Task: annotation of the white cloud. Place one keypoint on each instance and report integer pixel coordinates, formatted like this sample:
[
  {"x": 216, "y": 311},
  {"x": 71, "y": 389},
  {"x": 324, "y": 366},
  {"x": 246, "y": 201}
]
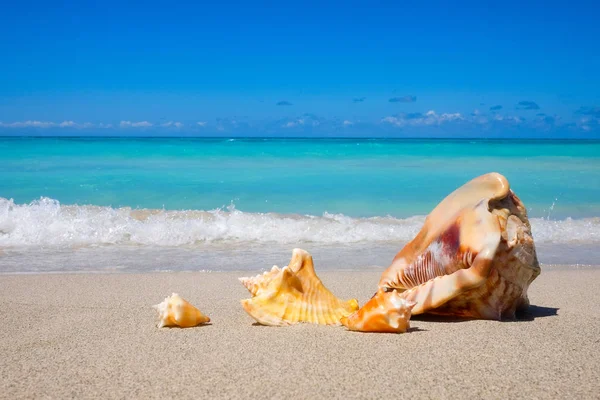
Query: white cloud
[
  {"x": 129, "y": 124},
  {"x": 46, "y": 124},
  {"x": 73, "y": 124},
  {"x": 87, "y": 125},
  {"x": 475, "y": 119},
  {"x": 172, "y": 124},
  {"x": 588, "y": 124},
  {"x": 392, "y": 120},
  {"x": 28, "y": 124},
  {"x": 427, "y": 119},
  {"x": 450, "y": 117},
  {"x": 508, "y": 118},
  {"x": 292, "y": 124}
]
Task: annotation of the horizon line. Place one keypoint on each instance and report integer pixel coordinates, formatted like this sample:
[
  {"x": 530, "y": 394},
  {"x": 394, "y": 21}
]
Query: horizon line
[{"x": 293, "y": 137}]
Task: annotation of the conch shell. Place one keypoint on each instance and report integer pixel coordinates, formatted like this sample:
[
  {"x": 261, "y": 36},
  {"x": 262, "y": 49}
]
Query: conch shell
[
  {"x": 385, "y": 312},
  {"x": 294, "y": 294},
  {"x": 175, "y": 311},
  {"x": 473, "y": 258}
]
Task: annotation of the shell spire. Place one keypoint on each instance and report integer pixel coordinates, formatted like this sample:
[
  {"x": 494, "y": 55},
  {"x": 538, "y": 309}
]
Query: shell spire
[
  {"x": 385, "y": 312},
  {"x": 294, "y": 294},
  {"x": 175, "y": 311},
  {"x": 258, "y": 283}
]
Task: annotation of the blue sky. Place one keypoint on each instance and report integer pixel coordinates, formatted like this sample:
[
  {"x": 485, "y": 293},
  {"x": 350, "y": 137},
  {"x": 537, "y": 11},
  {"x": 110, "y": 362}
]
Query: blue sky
[{"x": 497, "y": 69}]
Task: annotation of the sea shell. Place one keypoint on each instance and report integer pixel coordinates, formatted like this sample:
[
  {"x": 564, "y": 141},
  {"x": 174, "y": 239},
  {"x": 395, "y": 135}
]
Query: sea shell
[
  {"x": 257, "y": 284},
  {"x": 385, "y": 312},
  {"x": 294, "y": 294},
  {"x": 473, "y": 258},
  {"x": 175, "y": 311}
]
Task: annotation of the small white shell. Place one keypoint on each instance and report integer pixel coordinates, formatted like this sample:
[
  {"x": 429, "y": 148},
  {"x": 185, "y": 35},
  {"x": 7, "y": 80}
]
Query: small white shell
[{"x": 175, "y": 311}]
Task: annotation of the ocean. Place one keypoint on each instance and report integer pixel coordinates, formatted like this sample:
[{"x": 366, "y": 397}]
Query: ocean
[{"x": 213, "y": 204}]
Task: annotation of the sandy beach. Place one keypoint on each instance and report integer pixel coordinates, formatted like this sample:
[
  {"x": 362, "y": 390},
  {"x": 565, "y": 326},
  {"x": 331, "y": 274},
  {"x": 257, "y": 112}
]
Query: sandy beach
[{"x": 95, "y": 335}]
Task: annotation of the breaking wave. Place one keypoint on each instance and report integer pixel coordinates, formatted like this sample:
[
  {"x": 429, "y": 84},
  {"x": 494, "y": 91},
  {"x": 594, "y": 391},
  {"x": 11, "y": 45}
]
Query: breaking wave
[{"x": 46, "y": 222}]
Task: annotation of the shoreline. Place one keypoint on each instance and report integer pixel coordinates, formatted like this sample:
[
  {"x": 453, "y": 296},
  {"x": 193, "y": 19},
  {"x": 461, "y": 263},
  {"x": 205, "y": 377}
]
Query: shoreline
[
  {"x": 95, "y": 335},
  {"x": 248, "y": 272}
]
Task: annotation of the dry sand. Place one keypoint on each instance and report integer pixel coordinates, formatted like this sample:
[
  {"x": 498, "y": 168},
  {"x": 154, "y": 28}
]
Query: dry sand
[{"x": 94, "y": 336}]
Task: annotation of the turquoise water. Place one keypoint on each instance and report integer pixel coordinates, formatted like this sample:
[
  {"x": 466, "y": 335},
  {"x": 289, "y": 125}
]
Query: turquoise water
[
  {"x": 357, "y": 178},
  {"x": 141, "y": 204}
]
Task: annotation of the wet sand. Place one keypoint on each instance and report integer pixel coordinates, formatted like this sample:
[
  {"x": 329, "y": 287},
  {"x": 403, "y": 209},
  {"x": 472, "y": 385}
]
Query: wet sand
[{"x": 94, "y": 336}]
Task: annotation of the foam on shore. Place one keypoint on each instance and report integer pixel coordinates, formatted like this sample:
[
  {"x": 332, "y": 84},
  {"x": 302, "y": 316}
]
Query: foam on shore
[{"x": 46, "y": 222}]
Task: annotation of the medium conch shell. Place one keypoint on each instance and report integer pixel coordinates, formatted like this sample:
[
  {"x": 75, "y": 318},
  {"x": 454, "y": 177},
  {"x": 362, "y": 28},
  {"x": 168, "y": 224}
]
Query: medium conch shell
[
  {"x": 294, "y": 294},
  {"x": 385, "y": 312},
  {"x": 175, "y": 311},
  {"x": 473, "y": 258},
  {"x": 259, "y": 283}
]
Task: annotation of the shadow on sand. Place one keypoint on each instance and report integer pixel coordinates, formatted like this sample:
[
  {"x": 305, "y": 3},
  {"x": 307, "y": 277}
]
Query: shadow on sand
[
  {"x": 534, "y": 312},
  {"x": 410, "y": 330},
  {"x": 530, "y": 314}
]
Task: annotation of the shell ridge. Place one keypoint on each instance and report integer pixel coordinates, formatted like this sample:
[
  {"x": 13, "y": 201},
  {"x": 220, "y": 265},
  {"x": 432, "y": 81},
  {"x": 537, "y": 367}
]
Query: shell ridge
[{"x": 296, "y": 294}]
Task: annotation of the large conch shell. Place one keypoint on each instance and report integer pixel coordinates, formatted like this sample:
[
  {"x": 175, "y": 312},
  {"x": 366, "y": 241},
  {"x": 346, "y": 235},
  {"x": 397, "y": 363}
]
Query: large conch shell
[
  {"x": 294, "y": 294},
  {"x": 175, "y": 311},
  {"x": 385, "y": 312},
  {"x": 473, "y": 258}
]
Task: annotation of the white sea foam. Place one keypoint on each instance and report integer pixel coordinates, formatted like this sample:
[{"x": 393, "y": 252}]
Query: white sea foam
[{"x": 46, "y": 223}]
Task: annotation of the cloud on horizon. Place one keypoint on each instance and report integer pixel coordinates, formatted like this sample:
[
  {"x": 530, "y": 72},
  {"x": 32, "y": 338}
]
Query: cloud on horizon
[
  {"x": 49, "y": 124},
  {"x": 172, "y": 124},
  {"x": 140, "y": 124},
  {"x": 476, "y": 122},
  {"x": 292, "y": 124},
  {"x": 306, "y": 120},
  {"x": 403, "y": 99},
  {"x": 527, "y": 105},
  {"x": 29, "y": 124},
  {"x": 509, "y": 118},
  {"x": 418, "y": 119},
  {"x": 584, "y": 121}
]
